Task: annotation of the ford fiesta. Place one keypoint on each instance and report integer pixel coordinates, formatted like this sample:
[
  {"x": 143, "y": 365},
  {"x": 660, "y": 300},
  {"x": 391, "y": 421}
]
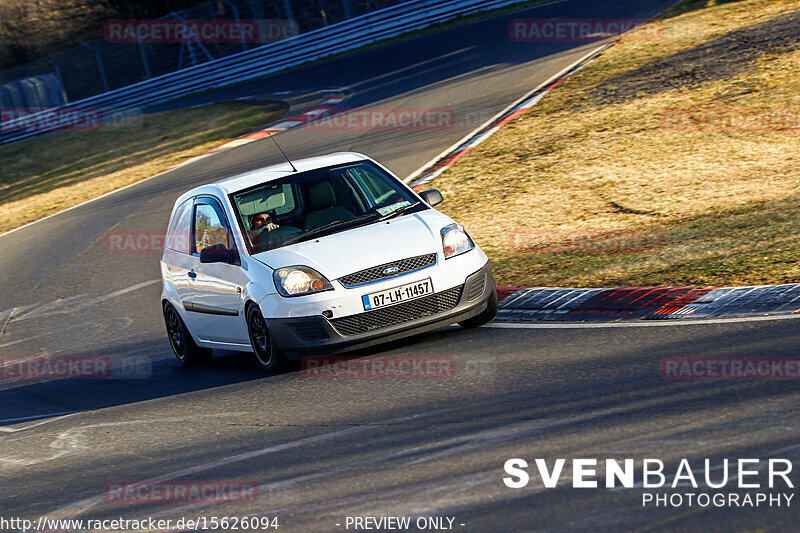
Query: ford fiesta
[{"x": 331, "y": 253}]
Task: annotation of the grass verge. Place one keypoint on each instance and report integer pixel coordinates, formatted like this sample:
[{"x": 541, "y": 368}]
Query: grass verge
[
  {"x": 57, "y": 171},
  {"x": 667, "y": 161}
]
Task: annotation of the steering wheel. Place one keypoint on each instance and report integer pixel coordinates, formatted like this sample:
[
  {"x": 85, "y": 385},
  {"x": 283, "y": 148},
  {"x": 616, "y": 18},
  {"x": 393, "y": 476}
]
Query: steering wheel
[{"x": 266, "y": 238}]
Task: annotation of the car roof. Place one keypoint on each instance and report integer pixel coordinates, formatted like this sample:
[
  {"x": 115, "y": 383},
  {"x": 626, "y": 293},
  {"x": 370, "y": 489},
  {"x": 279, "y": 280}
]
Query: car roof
[{"x": 282, "y": 170}]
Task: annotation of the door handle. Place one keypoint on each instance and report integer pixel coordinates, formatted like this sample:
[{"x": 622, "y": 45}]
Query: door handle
[{"x": 192, "y": 274}]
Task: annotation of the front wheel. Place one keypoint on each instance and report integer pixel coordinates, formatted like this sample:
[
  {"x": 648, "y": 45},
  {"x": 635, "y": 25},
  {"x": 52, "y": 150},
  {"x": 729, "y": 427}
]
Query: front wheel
[
  {"x": 186, "y": 350},
  {"x": 266, "y": 353},
  {"x": 485, "y": 316}
]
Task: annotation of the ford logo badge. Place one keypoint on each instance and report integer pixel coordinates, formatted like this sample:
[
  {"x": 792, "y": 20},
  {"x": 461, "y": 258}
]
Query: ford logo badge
[{"x": 389, "y": 271}]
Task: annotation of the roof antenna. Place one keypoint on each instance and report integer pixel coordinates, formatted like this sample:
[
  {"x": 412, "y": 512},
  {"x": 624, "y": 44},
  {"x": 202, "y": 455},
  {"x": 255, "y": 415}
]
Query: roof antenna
[{"x": 284, "y": 153}]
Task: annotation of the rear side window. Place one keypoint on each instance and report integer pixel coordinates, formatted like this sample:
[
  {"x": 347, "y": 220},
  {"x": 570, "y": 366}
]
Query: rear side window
[
  {"x": 179, "y": 233},
  {"x": 208, "y": 228}
]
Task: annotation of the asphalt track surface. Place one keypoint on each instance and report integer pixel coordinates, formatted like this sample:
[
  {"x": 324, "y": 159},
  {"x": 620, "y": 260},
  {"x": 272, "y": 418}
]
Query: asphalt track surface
[{"x": 321, "y": 450}]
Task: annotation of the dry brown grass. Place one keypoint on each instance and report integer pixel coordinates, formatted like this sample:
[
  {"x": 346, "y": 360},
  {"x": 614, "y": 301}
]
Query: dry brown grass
[
  {"x": 51, "y": 173},
  {"x": 599, "y": 154}
]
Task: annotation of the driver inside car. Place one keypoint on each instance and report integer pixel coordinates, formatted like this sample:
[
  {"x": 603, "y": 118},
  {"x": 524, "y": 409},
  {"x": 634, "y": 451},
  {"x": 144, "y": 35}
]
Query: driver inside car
[
  {"x": 262, "y": 221},
  {"x": 260, "y": 225}
]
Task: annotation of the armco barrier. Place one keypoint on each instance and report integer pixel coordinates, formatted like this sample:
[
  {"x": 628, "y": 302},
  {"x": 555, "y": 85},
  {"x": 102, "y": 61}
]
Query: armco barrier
[{"x": 336, "y": 38}]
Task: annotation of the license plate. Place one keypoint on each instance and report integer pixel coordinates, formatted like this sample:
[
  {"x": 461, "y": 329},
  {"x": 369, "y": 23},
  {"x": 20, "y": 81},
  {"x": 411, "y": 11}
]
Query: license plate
[{"x": 396, "y": 295}]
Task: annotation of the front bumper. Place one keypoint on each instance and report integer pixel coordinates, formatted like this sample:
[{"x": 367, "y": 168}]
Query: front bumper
[{"x": 309, "y": 335}]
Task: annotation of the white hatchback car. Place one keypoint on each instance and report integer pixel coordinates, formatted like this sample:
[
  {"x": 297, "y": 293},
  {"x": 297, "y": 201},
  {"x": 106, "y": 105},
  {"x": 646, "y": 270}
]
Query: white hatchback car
[{"x": 339, "y": 254}]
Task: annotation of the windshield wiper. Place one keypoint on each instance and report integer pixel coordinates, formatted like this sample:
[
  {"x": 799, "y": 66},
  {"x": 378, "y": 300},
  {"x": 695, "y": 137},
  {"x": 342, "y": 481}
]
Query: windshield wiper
[
  {"x": 398, "y": 212},
  {"x": 329, "y": 226}
]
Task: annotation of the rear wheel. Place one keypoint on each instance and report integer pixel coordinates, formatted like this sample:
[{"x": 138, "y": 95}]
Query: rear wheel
[
  {"x": 486, "y": 315},
  {"x": 266, "y": 353},
  {"x": 186, "y": 350}
]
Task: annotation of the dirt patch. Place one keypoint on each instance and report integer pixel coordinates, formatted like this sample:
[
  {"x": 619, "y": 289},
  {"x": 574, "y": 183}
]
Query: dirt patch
[{"x": 725, "y": 57}]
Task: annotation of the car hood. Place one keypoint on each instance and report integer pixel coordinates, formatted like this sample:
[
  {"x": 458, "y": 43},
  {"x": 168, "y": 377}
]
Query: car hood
[{"x": 364, "y": 247}]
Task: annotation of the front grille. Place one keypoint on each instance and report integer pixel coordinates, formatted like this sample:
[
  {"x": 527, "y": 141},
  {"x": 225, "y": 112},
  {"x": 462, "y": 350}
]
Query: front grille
[
  {"x": 309, "y": 331},
  {"x": 399, "y": 313},
  {"x": 376, "y": 273},
  {"x": 476, "y": 287}
]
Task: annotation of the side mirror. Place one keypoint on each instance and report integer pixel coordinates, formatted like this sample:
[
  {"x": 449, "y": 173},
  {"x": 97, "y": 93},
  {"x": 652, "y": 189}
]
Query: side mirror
[
  {"x": 432, "y": 197},
  {"x": 217, "y": 253}
]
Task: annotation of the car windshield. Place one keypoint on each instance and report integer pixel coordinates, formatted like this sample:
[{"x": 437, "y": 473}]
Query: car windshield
[{"x": 319, "y": 202}]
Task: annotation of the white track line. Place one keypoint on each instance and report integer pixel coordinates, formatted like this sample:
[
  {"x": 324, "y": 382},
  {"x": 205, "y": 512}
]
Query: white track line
[
  {"x": 81, "y": 506},
  {"x": 55, "y": 416},
  {"x": 51, "y": 308},
  {"x": 454, "y": 445}
]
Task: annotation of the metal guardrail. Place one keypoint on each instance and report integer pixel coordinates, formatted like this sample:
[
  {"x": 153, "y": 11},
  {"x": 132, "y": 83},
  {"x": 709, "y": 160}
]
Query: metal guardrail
[
  {"x": 135, "y": 50},
  {"x": 257, "y": 62}
]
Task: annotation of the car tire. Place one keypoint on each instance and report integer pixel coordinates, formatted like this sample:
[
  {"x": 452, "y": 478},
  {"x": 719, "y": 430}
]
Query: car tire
[
  {"x": 183, "y": 345},
  {"x": 266, "y": 354},
  {"x": 485, "y": 316}
]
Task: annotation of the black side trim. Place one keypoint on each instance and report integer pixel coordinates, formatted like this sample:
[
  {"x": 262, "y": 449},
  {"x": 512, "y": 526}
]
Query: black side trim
[{"x": 209, "y": 310}]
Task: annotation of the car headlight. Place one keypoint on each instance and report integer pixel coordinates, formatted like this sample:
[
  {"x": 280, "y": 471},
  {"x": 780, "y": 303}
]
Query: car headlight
[
  {"x": 455, "y": 241},
  {"x": 300, "y": 280}
]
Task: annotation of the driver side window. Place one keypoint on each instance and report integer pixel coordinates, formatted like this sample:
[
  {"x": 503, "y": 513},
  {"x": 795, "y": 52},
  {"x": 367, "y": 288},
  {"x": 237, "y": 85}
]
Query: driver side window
[{"x": 208, "y": 228}]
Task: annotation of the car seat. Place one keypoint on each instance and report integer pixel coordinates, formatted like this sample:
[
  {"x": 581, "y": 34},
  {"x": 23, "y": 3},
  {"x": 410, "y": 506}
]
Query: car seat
[{"x": 322, "y": 202}]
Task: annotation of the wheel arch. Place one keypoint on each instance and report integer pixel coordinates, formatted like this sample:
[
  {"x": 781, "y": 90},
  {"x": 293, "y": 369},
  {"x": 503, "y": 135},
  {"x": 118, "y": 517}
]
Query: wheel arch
[
  {"x": 250, "y": 302},
  {"x": 169, "y": 294}
]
